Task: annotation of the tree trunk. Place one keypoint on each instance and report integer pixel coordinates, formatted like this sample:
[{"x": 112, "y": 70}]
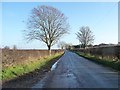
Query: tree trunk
[{"x": 49, "y": 48}]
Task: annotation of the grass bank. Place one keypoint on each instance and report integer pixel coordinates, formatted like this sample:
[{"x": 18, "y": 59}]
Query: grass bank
[
  {"x": 113, "y": 64},
  {"x": 18, "y": 70}
]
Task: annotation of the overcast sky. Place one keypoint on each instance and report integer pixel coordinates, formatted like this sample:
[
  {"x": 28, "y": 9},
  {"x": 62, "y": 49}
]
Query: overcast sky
[{"x": 102, "y": 18}]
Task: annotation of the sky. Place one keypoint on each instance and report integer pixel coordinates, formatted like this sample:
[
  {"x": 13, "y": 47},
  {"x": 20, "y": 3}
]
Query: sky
[{"x": 101, "y": 17}]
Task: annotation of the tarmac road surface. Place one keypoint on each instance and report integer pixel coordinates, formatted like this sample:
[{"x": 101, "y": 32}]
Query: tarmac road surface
[{"x": 73, "y": 71}]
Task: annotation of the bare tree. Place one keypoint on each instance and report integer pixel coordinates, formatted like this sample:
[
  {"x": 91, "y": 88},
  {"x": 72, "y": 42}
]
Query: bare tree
[
  {"x": 6, "y": 47},
  {"x": 46, "y": 24},
  {"x": 68, "y": 46},
  {"x": 85, "y": 36},
  {"x": 14, "y": 47},
  {"x": 62, "y": 44}
]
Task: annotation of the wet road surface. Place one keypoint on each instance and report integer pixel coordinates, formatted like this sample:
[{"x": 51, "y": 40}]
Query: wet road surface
[{"x": 73, "y": 71}]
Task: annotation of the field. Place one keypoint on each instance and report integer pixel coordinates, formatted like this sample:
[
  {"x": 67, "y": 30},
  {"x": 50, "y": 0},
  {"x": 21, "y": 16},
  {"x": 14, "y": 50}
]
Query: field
[
  {"x": 19, "y": 62},
  {"x": 11, "y": 57}
]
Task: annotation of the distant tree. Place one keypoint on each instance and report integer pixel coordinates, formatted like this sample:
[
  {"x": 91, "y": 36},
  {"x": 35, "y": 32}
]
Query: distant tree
[
  {"x": 6, "y": 47},
  {"x": 85, "y": 36},
  {"x": 68, "y": 46},
  {"x": 90, "y": 45},
  {"x": 46, "y": 24},
  {"x": 76, "y": 46},
  {"x": 14, "y": 47},
  {"x": 62, "y": 44}
]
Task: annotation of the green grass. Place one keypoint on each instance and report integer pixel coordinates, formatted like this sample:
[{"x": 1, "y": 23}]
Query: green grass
[
  {"x": 113, "y": 64},
  {"x": 31, "y": 65}
]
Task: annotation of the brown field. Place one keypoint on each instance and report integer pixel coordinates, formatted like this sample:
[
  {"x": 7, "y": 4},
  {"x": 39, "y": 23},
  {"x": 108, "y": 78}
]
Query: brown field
[{"x": 11, "y": 57}]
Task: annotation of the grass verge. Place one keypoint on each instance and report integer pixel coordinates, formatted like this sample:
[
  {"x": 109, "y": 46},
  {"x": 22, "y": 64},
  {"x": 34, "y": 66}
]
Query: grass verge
[
  {"x": 113, "y": 64},
  {"x": 18, "y": 70}
]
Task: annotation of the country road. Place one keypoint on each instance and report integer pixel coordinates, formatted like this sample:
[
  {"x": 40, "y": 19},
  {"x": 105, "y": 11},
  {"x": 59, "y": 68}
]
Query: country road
[{"x": 73, "y": 71}]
